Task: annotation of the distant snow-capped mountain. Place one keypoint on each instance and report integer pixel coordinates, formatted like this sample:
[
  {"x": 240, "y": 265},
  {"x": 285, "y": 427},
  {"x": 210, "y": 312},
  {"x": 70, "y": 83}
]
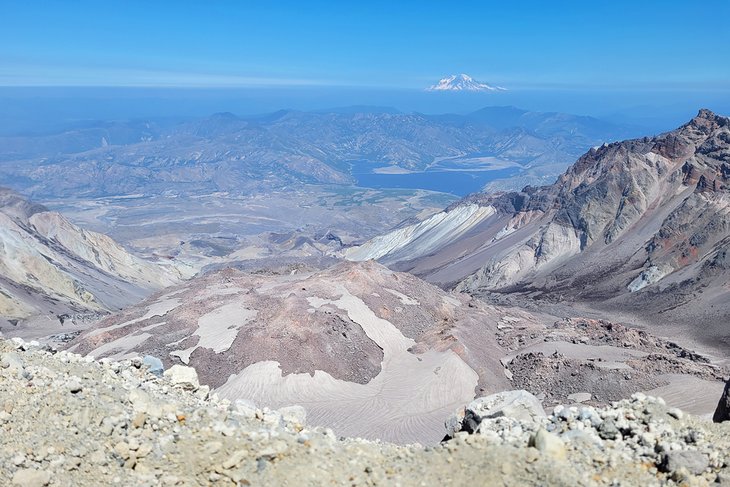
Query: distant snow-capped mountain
[{"x": 462, "y": 82}]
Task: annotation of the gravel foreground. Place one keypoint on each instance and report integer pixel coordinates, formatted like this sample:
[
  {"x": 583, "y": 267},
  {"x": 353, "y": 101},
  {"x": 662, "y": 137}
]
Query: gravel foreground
[{"x": 69, "y": 420}]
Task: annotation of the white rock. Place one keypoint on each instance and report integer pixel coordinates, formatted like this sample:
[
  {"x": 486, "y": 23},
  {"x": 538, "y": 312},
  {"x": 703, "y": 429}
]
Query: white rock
[
  {"x": 12, "y": 361},
  {"x": 182, "y": 376},
  {"x": 548, "y": 443},
  {"x": 518, "y": 404},
  {"x": 245, "y": 408},
  {"x": 294, "y": 414},
  {"x": 580, "y": 397},
  {"x": 31, "y": 478}
]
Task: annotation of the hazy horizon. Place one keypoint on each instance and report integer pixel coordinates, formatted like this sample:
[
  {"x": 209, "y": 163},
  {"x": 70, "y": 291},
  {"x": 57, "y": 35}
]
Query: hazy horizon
[
  {"x": 39, "y": 109},
  {"x": 626, "y": 62}
]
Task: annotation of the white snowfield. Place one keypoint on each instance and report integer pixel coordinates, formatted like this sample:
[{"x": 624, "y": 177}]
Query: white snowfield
[
  {"x": 406, "y": 402},
  {"x": 217, "y": 329},
  {"x": 423, "y": 237}
]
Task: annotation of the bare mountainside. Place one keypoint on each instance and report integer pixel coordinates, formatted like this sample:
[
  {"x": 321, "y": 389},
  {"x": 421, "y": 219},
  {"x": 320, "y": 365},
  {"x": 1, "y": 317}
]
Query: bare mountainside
[
  {"x": 639, "y": 226},
  {"x": 384, "y": 355},
  {"x": 228, "y": 153},
  {"x": 52, "y": 268}
]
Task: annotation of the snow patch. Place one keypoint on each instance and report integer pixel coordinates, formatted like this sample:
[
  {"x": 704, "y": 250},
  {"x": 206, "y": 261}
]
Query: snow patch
[{"x": 218, "y": 329}]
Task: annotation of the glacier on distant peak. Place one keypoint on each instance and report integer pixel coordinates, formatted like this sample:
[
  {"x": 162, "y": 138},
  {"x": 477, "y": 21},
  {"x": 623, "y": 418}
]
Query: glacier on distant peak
[{"x": 462, "y": 82}]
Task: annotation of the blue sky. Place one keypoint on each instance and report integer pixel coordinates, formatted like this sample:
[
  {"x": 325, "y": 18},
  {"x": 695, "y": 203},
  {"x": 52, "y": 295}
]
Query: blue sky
[{"x": 656, "y": 45}]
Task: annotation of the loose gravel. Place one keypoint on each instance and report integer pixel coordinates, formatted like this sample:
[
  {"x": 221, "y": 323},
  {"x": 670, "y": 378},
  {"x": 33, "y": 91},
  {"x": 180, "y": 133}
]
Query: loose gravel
[{"x": 67, "y": 420}]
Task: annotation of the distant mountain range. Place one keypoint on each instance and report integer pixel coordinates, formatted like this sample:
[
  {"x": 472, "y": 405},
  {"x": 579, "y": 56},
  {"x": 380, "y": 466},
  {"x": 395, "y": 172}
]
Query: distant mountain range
[
  {"x": 640, "y": 226},
  {"x": 463, "y": 82},
  {"x": 227, "y": 153}
]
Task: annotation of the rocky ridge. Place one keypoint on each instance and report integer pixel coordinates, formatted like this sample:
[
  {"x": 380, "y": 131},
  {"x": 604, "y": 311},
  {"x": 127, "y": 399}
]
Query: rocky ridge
[
  {"x": 70, "y": 420},
  {"x": 639, "y": 226},
  {"x": 51, "y": 267}
]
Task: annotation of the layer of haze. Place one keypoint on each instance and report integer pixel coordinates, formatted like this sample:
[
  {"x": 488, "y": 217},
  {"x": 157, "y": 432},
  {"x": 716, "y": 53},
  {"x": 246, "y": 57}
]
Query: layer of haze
[{"x": 650, "y": 63}]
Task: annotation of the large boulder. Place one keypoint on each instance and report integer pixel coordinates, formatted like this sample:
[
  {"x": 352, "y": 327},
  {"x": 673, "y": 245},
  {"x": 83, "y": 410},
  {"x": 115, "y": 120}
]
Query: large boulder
[
  {"x": 722, "y": 412},
  {"x": 183, "y": 377},
  {"x": 520, "y": 405}
]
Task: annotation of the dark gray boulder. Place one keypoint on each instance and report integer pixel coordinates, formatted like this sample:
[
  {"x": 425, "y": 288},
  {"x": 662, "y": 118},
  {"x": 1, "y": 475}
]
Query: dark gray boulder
[{"x": 722, "y": 412}]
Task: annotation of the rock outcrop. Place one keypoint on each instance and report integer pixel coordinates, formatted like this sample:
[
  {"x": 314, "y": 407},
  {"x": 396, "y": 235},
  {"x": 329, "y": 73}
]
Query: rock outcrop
[
  {"x": 639, "y": 226},
  {"x": 520, "y": 405},
  {"x": 722, "y": 412}
]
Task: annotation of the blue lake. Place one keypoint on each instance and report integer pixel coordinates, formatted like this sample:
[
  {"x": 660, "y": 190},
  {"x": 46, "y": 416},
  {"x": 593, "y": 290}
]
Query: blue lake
[{"x": 459, "y": 183}]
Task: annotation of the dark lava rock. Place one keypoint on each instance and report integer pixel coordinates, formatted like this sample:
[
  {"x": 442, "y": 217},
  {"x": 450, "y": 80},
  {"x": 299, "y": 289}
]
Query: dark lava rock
[{"x": 722, "y": 412}]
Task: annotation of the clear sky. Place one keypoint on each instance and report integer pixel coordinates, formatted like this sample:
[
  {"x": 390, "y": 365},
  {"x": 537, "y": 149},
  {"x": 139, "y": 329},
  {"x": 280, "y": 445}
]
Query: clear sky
[{"x": 649, "y": 44}]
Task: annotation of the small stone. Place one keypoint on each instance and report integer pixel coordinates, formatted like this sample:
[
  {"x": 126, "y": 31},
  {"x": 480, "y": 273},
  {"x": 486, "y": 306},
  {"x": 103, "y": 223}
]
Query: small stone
[
  {"x": 680, "y": 476},
  {"x": 580, "y": 397},
  {"x": 142, "y": 402},
  {"x": 98, "y": 458},
  {"x": 133, "y": 444},
  {"x": 122, "y": 449},
  {"x": 139, "y": 420},
  {"x": 245, "y": 407},
  {"x": 31, "y": 478},
  {"x": 608, "y": 430},
  {"x": 144, "y": 450},
  {"x": 693, "y": 461},
  {"x": 74, "y": 385},
  {"x": 235, "y": 459},
  {"x": 675, "y": 413},
  {"x": 548, "y": 443},
  {"x": 294, "y": 414},
  {"x": 154, "y": 365},
  {"x": 13, "y": 362},
  {"x": 638, "y": 397}
]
